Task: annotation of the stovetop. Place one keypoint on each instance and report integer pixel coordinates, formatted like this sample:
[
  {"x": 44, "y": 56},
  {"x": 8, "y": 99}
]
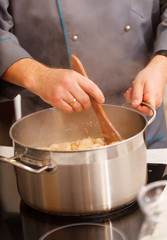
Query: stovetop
[{"x": 20, "y": 222}]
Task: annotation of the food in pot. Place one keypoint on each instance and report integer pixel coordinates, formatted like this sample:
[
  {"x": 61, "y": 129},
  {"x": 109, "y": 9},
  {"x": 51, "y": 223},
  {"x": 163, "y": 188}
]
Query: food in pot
[{"x": 85, "y": 143}]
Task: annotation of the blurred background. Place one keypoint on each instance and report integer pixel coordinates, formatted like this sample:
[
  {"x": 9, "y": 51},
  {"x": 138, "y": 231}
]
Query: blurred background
[{"x": 8, "y": 116}]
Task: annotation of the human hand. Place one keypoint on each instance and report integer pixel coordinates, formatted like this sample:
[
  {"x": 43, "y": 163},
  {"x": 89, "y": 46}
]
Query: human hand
[
  {"x": 149, "y": 86},
  {"x": 57, "y": 87},
  {"x": 60, "y": 87}
]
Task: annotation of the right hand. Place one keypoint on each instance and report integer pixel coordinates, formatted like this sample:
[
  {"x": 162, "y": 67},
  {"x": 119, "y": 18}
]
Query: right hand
[
  {"x": 149, "y": 86},
  {"x": 57, "y": 87}
]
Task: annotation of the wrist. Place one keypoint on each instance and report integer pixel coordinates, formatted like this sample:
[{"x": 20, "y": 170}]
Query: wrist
[
  {"x": 161, "y": 52},
  {"x": 25, "y": 73},
  {"x": 34, "y": 74},
  {"x": 18, "y": 73},
  {"x": 160, "y": 61}
]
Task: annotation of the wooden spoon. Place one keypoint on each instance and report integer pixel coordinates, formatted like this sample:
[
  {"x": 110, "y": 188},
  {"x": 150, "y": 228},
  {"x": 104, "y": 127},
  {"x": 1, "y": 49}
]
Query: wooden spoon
[{"x": 109, "y": 132}]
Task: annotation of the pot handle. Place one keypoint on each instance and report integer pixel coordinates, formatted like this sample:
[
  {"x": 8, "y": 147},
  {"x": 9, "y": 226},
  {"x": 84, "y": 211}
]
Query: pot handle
[
  {"x": 149, "y": 106},
  {"x": 14, "y": 162},
  {"x": 153, "y": 110}
]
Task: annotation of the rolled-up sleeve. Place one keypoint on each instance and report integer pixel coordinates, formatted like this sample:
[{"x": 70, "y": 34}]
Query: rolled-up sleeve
[{"x": 161, "y": 39}]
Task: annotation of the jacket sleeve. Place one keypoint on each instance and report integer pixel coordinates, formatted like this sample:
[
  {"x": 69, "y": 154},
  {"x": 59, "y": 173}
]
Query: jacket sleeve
[
  {"x": 10, "y": 51},
  {"x": 161, "y": 39}
]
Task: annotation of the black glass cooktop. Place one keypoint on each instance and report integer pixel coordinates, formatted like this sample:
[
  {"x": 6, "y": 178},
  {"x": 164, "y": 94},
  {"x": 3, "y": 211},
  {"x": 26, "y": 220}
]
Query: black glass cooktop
[{"x": 20, "y": 222}]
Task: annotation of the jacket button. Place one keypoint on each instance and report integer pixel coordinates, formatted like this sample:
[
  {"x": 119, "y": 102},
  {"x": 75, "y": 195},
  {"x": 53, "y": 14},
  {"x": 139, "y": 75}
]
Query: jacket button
[
  {"x": 75, "y": 38},
  {"x": 127, "y": 28}
]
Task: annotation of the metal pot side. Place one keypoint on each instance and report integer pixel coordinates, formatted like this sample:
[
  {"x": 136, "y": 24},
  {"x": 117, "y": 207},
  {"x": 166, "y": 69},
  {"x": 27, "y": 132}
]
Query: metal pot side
[{"x": 84, "y": 182}]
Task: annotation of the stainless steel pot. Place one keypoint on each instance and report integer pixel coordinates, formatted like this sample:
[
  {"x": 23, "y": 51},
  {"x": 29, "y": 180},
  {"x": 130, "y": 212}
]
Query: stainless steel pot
[{"x": 79, "y": 182}]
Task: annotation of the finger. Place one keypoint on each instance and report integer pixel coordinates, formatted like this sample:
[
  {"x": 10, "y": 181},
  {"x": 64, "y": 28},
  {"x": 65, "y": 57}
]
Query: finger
[
  {"x": 144, "y": 110},
  {"x": 81, "y": 87},
  {"x": 64, "y": 106},
  {"x": 73, "y": 101},
  {"x": 128, "y": 95},
  {"x": 137, "y": 94},
  {"x": 92, "y": 89},
  {"x": 76, "y": 105},
  {"x": 82, "y": 97},
  {"x": 141, "y": 108}
]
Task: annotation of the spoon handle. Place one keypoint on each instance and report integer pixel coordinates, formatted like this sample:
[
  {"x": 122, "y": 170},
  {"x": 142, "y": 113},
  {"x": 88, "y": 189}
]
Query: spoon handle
[{"x": 109, "y": 132}]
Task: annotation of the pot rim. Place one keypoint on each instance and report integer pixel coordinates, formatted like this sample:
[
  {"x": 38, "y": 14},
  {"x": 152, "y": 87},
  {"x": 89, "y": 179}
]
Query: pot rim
[{"x": 77, "y": 151}]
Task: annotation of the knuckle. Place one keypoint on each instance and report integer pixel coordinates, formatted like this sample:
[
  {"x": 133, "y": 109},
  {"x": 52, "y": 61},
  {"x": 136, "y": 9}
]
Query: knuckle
[
  {"x": 87, "y": 106},
  {"x": 56, "y": 99},
  {"x": 69, "y": 110},
  {"x": 65, "y": 80},
  {"x": 80, "y": 109},
  {"x": 85, "y": 100}
]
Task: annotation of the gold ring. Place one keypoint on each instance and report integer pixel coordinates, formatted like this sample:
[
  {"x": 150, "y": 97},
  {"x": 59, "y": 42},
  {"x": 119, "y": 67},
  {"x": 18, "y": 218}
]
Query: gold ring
[{"x": 73, "y": 101}]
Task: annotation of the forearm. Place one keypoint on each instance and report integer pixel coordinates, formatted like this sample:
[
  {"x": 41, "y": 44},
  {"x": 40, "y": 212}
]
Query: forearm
[{"x": 24, "y": 73}]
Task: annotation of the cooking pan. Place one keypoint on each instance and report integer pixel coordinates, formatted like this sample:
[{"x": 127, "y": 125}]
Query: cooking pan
[{"x": 84, "y": 181}]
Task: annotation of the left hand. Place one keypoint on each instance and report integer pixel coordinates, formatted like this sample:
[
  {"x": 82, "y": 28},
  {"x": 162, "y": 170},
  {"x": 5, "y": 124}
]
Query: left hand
[{"x": 149, "y": 85}]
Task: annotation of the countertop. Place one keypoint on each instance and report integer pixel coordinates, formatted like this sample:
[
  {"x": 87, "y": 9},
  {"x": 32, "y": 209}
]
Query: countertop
[{"x": 157, "y": 155}]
